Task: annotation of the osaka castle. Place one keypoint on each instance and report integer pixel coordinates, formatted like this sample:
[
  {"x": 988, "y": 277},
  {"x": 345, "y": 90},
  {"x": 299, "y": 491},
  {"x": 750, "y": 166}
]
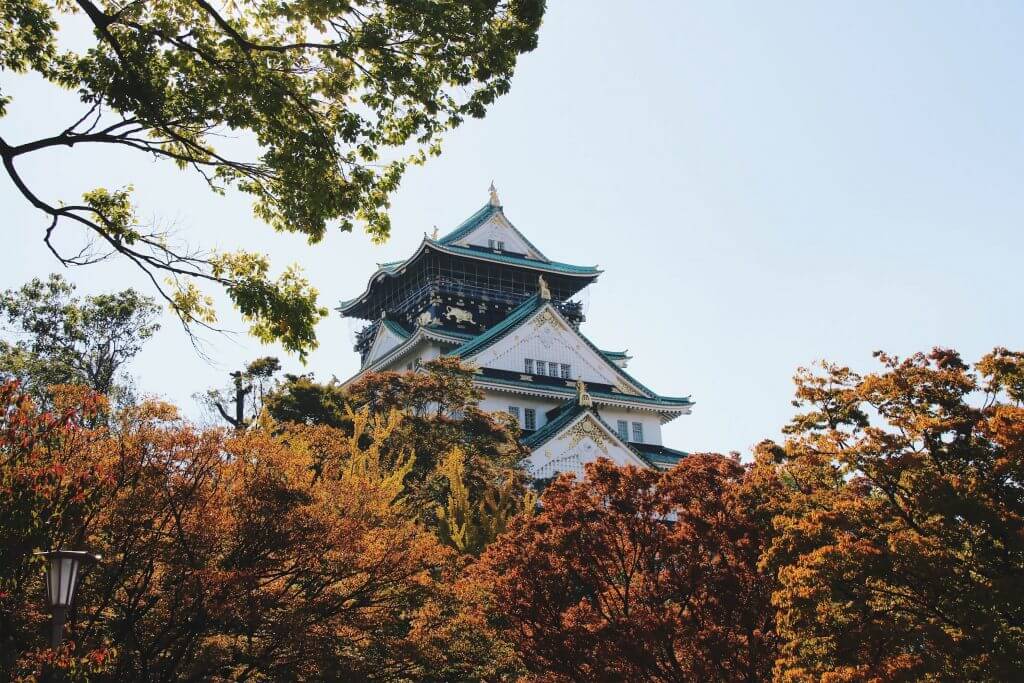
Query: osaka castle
[{"x": 486, "y": 294}]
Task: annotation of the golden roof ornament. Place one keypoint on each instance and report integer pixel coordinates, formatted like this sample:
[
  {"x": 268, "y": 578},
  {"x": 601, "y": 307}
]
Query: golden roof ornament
[
  {"x": 582, "y": 397},
  {"x": 494, "y": 201},
  {"x": 434, "y": 235},
  {"x": 542, "y": 288}
]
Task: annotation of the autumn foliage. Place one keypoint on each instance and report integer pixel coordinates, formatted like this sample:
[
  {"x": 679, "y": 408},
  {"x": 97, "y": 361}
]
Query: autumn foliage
[
  {"x": 384, "y": 532},
  {"x": 259, "y": 557},
  {"x": 635, "y": 575},
  {"x": 897, "y": 512}
]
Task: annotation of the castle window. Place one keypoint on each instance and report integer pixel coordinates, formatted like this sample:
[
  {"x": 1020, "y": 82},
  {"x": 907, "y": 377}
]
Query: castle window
[
  {"x": 529, "y": 366},
  {"x": 490, "y": 244},
  {"x": 638, "y": 432},
  {"x": 501, "y": 246},
  {"x": 541, "y": 368},
  {"x": 530, "y": 419},
  {"x": 514, "y": 412},
  {"x": 565, "y": 371},
  {"x": 622, "y": 427}
]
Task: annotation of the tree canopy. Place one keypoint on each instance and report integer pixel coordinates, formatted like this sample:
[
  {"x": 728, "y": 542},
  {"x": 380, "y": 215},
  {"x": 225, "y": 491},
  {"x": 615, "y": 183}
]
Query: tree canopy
[
  {"x": 897, "y": 513},
  {"x": 635, "y": 575},
  {"x": 55, "y": 337},
  {"x": 337, "y": 99}
]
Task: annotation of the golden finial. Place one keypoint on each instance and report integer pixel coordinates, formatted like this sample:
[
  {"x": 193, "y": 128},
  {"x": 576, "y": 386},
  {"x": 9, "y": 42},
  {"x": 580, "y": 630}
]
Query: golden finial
[
  {"x": 582, "y": 397},
  {"x": 434, "y": 234},
  {"x": 542, "y": 288},
  {"x": 494, "y": 201}
]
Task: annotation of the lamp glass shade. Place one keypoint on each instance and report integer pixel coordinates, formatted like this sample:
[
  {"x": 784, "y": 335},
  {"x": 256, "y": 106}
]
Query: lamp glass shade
[{"x": 62, "y": 575}]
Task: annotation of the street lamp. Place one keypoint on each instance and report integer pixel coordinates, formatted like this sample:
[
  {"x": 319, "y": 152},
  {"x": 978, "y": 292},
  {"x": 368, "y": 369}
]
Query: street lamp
[{"x": 61, "y": 580}]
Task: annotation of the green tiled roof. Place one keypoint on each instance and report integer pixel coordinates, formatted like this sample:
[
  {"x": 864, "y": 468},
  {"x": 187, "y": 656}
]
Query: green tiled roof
[
  {"x": 397, "y": 329},
  {"x": 565, "y": 416},
  {"x": 393, "y": 268},
  {"x": 569, "y": 413},
  {"x": 518, "y": 315},
  {"x": 479, "y": 218},
  {"x": 470, "y": 224},
  {"x": 551, "y": 266},
  {"x": 666, "y": 401},
  {"x": 662, "y": 456},
  {"x": 615, "y": 355}
]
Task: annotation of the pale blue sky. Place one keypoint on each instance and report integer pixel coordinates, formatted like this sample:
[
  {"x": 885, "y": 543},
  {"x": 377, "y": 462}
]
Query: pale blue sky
[{"x": 765, "y": 184}]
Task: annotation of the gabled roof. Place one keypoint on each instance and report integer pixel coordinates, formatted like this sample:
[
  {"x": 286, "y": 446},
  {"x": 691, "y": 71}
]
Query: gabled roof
[
  {"x": 397, "y": 329},
  {"x": 663, "y": 457},
  {"x": 567, "y": 416},
  {"x": 520, "y": 314},
  {"x": 480, "y": 218}
]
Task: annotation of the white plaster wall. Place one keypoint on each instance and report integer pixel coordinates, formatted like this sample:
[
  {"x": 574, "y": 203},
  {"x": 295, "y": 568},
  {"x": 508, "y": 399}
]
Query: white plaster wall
[
  {"x": 650, "y": 421},
  {"x": 496, "y": 229},
  {"x": 550, "y": 342},
  {"x": 495, "y": 401}
]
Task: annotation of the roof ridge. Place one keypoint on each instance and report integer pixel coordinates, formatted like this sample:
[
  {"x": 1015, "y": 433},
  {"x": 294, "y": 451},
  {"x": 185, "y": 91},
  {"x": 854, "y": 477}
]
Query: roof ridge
[{"x": 470, "y": 224}]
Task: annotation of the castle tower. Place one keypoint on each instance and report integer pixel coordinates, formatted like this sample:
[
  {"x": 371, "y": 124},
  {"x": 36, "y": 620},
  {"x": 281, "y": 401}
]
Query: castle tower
[{"x": 486, "y": 294}]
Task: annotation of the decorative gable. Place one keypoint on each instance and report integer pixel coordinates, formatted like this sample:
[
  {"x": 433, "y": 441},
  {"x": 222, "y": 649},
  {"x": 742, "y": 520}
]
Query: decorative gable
[
  {"x": 387, "y": 339},
  {"x": 498, "y": 230},
  {"x": 583, "y": 440},
  {"x": 547, "y": 337}
]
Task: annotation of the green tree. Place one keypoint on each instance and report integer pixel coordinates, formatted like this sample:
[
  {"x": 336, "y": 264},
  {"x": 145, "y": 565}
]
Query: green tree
[
  {"x": 336, "y": 97},
  {"x": 241, "y": 403},
  {"x": 56, "y": 337}
]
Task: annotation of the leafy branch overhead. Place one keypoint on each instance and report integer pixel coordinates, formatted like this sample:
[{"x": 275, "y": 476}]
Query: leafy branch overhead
[{"x": 338, "y": 97}]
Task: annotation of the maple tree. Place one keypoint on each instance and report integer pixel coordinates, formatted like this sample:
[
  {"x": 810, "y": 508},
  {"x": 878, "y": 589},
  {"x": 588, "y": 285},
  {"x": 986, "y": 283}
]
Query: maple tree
[
  {"x": 634, "y": 575},
  {"x": 252, "y": 556},
  {"x": 897, "y": 502}
]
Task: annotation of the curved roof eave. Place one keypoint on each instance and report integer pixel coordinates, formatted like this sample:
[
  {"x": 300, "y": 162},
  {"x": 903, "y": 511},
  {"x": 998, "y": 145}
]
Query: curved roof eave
[{"x": 396, "y": 268}]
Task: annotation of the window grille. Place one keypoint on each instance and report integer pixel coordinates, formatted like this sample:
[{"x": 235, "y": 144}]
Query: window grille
[
  {"x": 565, "y": 371},
  {"x": 530, "y": 419},
  {"x": 541, "y": 368},
  {"x": 638, "y": 432},
  {"x": 528, "y": 363},
  {"x": 622, "y": 427},
  {"x": 514, "y": 412}
]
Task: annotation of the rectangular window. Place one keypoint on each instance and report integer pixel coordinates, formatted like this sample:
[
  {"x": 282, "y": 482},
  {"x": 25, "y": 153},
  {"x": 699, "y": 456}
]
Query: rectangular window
[
  {"x": 565, "y": 371},
  {"x": 501, "y": 246},
  {"x": 531, "y": 419},
  {"x": 638, "y": 432},
  {"x": 529, "y": 366},
  {"x": 514, "y": 412},
  {"x": 622, "y": 427},
  {"x": 541, "y": 368},
  {"x": 490, "y": 244}
]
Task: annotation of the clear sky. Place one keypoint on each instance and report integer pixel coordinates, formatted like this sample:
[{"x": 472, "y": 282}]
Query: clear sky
[{"x": 765, "y": 184}]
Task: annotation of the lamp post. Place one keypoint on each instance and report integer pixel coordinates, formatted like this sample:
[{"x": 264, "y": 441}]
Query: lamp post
[{"x": 61, "y": 581}]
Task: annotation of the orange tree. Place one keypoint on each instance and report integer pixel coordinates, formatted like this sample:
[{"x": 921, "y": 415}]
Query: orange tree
[
  {"x": 252, "y": 557},
  {"x": 633, "y": 575},
  {"x": 898, "y": 514}
]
